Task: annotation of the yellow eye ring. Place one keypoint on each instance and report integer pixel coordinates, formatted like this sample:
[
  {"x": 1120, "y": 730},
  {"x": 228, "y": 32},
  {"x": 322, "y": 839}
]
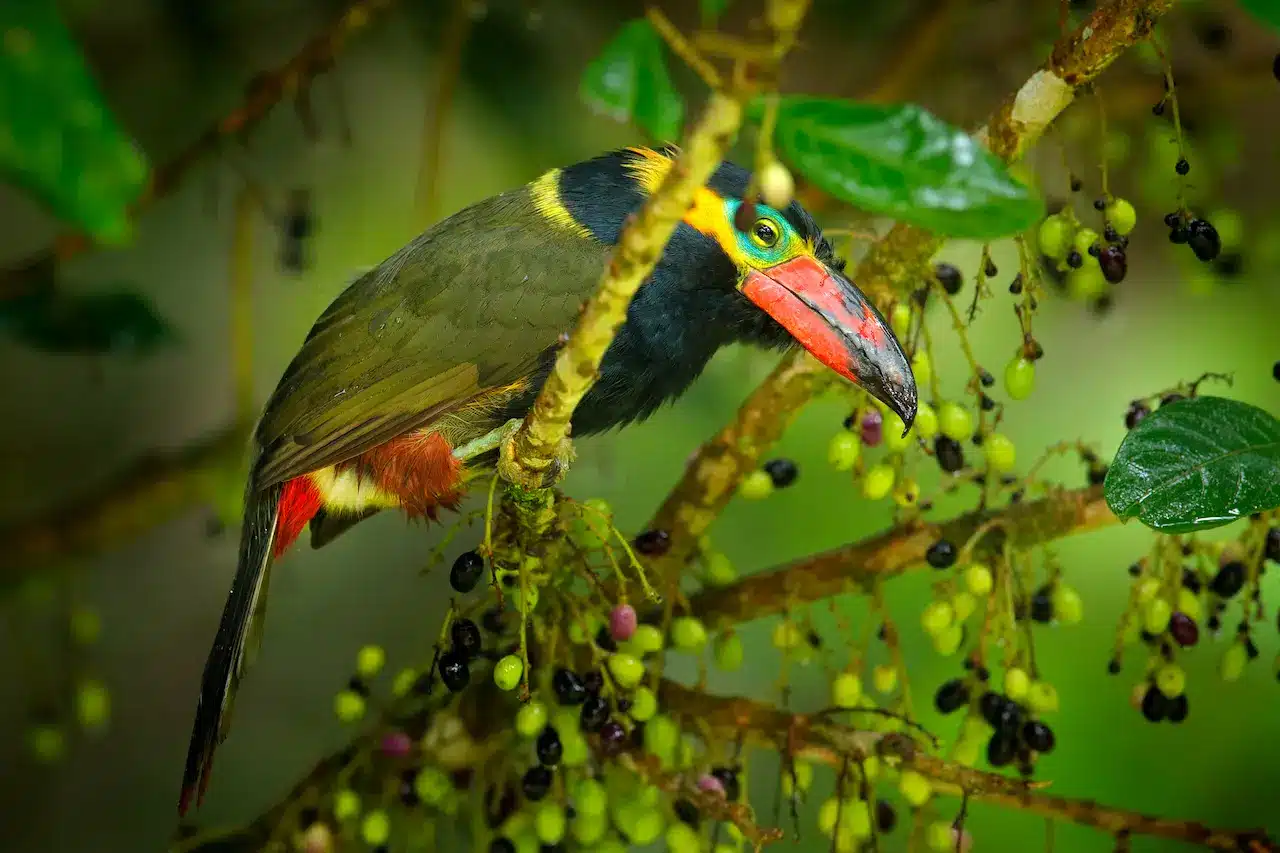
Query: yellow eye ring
[{"x": 765, "y": 233}]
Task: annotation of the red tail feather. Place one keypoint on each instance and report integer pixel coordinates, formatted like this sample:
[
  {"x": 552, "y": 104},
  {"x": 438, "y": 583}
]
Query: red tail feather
[{"x": 299, "y": 501}]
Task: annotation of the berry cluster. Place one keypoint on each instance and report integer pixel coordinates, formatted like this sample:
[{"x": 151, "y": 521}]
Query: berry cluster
[{"x": 1091, "y": 261}]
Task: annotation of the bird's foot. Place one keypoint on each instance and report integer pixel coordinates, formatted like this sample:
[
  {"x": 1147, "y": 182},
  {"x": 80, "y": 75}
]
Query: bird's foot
[
  {"x": 520, "y": 475},
  {"x": 491, "y": 440}
]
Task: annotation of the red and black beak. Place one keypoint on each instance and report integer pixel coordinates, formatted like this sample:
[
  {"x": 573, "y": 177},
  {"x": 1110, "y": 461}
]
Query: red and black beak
[{"x": 839, "y": 326}]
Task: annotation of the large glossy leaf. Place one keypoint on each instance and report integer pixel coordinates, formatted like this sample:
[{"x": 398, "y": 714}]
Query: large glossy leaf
[
  {"x": 58, "y": 140},
  {"x": 902, "y": 161},
  {"x": 1266, "y": 11},
  {"x": 629, "y": 82},
  {"x": 91, "y": 323},
  {"x": 1197, "y": 464}
]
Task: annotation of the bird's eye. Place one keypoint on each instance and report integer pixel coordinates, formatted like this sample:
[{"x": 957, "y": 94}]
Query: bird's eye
[{"x": 764, "y": 233}]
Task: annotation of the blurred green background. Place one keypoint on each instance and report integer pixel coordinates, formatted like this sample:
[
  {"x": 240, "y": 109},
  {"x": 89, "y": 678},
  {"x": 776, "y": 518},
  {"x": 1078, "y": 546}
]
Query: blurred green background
[{"x": 168, "y": 68}]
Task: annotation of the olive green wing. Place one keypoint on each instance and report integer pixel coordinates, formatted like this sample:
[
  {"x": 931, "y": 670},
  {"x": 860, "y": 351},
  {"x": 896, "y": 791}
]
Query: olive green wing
[{"x": 473, "y": 304}]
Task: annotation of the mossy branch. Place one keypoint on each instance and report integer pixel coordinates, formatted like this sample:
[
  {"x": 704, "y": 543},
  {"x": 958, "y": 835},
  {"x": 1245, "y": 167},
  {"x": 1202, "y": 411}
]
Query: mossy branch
[
  {"x": 152, "y": 490},
  {"x": 820, "y": 739},
  {"x": 895, "y": 261},
  {"x": 267, "y": 90},
  {"x": 858, "y": 566}
]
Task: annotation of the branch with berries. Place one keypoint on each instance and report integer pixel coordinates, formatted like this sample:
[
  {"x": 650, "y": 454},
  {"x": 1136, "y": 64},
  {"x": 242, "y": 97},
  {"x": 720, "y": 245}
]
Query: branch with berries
[
  {"x": 894, "y": 264},
  {"x": 265, "y": 91}
]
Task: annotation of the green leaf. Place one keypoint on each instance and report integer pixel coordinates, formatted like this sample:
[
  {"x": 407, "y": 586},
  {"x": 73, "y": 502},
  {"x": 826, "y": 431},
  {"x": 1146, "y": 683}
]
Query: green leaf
[
  {"x": 628, "y": 81},
  {"x": 58, "y": 139},
  {"x": 903, "y": 162},
  {"x": 1197, "y": 464},
  {"x": 712, "y": 10},
  {"x": 1266, "y": 11},
  {"x": 92, "y": 323}
]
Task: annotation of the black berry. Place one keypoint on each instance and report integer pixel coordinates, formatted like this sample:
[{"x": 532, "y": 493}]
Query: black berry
[
  {"x": 1114, "y": 264},
  {"x": 949, "y": 277},
  {"x": 1015, "y": 286},
  {"x": 1203, "y": 239},
  {"x": 1038, "y": 736},
  {"x": 1042, "y": 605},
  {"x": 886, "y": 817},
  {"x": 454, "y": 671},
  {"x": 1155, "y": 705},
  {"x": 494, "y": 620},
  {"x": 990, "y": 268},
  {"x": 1275, "y": 371},
  {"x": 595, "y": 711},
  {"x": 951, "y": 696},
  {"x": 536, "y": 783},
  {"x": 783, "y": 472},
  {"x": 593, "y": 681},
  {"x": 1182, "y": 166},
  {"x": 1137, "y": 411},
  {"x": 568, "y": 687},
  {"x": 729, "y": 779},
  {"x": 1001, "y": 712},
  {"x": 1074, "y": 260},
  {"x": 687, "y": 812},
  {"x": 985, "y": 377},
  {"x": 548, "y": 747},
  {"x": 466, "y": 638},
  {"x": 1076, "y": 184},
  {"x": 1272, "y": 550},
  {"x": 1113, "y": 666},
  {"x": 1099, "y": 204},
  {"x": 613, "y": 737},
  {"x": 653, "y": 543},
  {"x": 1229, "y": 580},
  {"x": 1184, "y": 630},
  {"x": 941, "y": 554},
  {"x": 1178, "y": 708},
  {"x": 1179, "y": 234},
  {"x": 949, "y": 453},
  {"x": 1001, "y": 749},
  {"x": 466, "y": 571}
]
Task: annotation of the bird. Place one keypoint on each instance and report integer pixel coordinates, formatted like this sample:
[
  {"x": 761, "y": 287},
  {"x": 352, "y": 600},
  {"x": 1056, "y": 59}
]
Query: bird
[{"x": 405, "y": 387}]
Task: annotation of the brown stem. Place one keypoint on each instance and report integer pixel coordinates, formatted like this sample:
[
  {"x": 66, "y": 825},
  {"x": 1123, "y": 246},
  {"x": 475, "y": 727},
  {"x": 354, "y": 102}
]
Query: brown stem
[
  {"x": 268, "y": 89},
  {"x": 859, "y": 565}
]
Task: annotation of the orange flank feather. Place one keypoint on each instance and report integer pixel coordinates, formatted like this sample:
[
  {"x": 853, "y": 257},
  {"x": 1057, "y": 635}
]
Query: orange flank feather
[{"x": 416, "y": 472}]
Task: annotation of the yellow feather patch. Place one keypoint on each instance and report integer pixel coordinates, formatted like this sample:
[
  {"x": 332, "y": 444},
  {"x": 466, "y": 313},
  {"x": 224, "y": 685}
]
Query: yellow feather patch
[
  {"x": 346, "y": 491},
  {"x": 648, "y": 169},
  {"x": 545, "y": 192}
]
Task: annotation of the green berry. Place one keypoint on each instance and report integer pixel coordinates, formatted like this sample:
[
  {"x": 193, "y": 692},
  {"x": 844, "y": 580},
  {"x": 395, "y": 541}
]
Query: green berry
[
  {"x": 1156, "y": 615},
  {"x": 948, "y": 642},
  {"x": 574, "y": 749},
  {"x": 926, "y": 422},
  {"x": 963, "y": 604},
  {"x": 1087, "y": 282},
  {"x": 1084, "y": 239},
  {"x": 915, "y": 789},
  {"x": 93, "y": 704},
  {"x": 1020, "y": 378},
  {"x": 646, "y": 828},
  {"x": 979, "y": 580},
  {"x": 846, "y": 690},
  {"x": 588, "y": 829},
  {"x": 86, "y": 625},
  {"x": 47, "y": 743},
  {"x": 803, "y": 778},
  {"x": 1000, "y": 452},
  {"x": 955, "y": 422},
  {"x": 403, "y": 682},
  {"x": 922, "y": 368},
  {"x": 1055, "y": 235},
  {"x": 647, "y": 639},
  {"x": 1068, "y": 607},
  {"x": 937, "y": 617},
  {"x": 432, "y": 785},
  {"x": 884, "y": 678},
  {"x": 549, "y": 823},
  {"x": 375, "y": 829},
  {"x": 878, "y": 482},
  {"x": 682, "y": 838},
  {"x": 1042, "y": 697},
  {"x": 906, "y": 493},
  {"x": 688, "y": 634},
  {"x": 531, "y": 719},
  {"x": 893, "y": 428},
  {"x": 756, "y": 485},
  {"x": 829, "y": 812},
  {"x": 508, "y": 671},
  {"x": 844, "y": 449},
  {"x": 643, "y": 705},
  {"x": 346, "y": 804},
  {"x": 349, "y": 706},
  {"x": 900, "y": 319},
  {"x": 1171, "y": 680},
  {"x": 1122, "y": 216},
  {"x": 1016, "y": 683},
  {"x": 855, "y": 822},
  {"x": 1233, "y": 661},
  {"x": 590, "y": 797},
  {"x": 729, "y": 652},
  {"x": 941, "y": 837},
  {"x": 626, "y": 669},
  {"x": 718, "y": 569},
  {"x": 661, "y": 737},
  {"x": 370, "y": 660}
]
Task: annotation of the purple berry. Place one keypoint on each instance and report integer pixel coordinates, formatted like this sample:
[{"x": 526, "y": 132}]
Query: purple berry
[
  {"x": 872, "y": 428},
  {"x": 397, "y": 744},
  {"x": 710, "y": 784},
  {"x": 622, "y": 622}
]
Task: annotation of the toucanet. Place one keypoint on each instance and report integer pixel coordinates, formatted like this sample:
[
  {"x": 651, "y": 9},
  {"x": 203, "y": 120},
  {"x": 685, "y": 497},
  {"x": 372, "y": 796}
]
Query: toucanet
[{"x": 404, "y": 388}]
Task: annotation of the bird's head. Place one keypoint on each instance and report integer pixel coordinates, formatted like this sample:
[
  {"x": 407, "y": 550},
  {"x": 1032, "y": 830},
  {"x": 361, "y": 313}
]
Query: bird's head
[{"x": 775, "y": 280}]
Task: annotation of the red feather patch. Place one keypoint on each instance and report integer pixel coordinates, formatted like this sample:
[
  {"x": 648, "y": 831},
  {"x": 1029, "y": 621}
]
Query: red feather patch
[
  {"x": 419, "y": 468},
  {"x": 299, "y": 501}
]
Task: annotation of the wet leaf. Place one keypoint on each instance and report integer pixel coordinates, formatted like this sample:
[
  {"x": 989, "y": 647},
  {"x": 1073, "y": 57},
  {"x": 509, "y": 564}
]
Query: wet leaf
[
  {"x": 58, "y": 139},
  {"x": 90, "y": 323},
  {"x": 1266, "y": 11},
  {"x": 628, "y": 81},
  {"x": 904, "y": 162},
  {"x": 1197, "y": 464}
]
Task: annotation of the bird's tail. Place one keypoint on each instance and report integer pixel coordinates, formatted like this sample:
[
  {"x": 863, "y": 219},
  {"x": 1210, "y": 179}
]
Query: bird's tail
[{"x": 236, "y": 641}]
